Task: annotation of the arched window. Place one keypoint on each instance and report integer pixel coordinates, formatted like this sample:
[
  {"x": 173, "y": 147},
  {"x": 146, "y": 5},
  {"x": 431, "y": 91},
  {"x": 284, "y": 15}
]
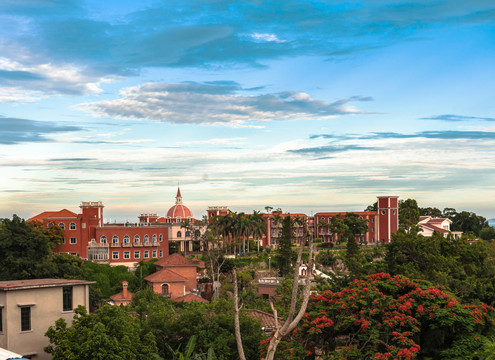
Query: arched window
[
  {"x": 146, "y": 238},
  {"x": 161, "y": 237},
  {"x": 115, "y": 239},
  {"x": 103, "y": 239},
  {"x": 72, "y": 226},
  {"x": 179, "y": 234},
  {"x": 188, "y": 233},
  {"x": 165, "y": 289},
  {"x": 136, "y": 238},
  {"x": 62, "y": 226},
  {"x": 153, "y": 238},
  {"x": 126, "y": 239}
]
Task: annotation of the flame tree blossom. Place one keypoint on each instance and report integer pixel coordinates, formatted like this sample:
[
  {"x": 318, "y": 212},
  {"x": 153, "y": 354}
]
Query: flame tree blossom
[{"x": 386, "y": 317}]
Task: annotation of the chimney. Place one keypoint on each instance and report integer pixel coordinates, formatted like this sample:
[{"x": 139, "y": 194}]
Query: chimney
[{"x": 124, "y": 289}]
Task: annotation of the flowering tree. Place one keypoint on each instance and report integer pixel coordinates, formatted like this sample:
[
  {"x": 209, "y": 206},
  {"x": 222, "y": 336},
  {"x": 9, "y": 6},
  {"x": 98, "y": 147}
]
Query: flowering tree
[{"x": 389, "y": 317}]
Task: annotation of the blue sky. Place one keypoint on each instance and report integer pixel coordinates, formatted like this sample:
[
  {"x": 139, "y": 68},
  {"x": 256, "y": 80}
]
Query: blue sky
[{"x": 303, "y": 105}]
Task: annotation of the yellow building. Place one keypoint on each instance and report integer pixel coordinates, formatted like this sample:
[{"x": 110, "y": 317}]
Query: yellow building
[{"x": 29, "y": 307}]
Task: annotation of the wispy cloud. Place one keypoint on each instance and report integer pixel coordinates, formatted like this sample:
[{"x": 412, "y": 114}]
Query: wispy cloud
[
  {"x": 210, "y": 103},
  {"x": 457, "y": 118},
  {"x": 329, "y": 149},
  {"x": 15, "y": 130}
]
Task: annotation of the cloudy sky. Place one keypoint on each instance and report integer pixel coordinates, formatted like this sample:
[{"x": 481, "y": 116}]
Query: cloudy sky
[{"x": 302, "y": 105}]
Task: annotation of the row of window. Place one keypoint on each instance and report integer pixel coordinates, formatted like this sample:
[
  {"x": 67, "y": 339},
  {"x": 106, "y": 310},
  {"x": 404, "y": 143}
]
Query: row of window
[
  {"x": 188, "y": 234},
  {"x": 127, "y": 238},
  {"x": 137, "y": 254}
]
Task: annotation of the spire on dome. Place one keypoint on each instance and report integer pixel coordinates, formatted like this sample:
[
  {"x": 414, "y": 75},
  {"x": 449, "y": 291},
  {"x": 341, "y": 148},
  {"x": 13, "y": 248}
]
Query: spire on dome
[{"x": 178, "y": 198}]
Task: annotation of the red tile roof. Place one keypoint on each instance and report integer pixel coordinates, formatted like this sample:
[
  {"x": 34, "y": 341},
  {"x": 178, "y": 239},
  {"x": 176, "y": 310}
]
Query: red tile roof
[
  {"x": 191, "y": 298},
  {"x": 120, "y": 296},
  {"x": 165, "y": 275},
  {"x": 434, "y": 228},
  {"x": 267, "y": 320},
  {"x": 175, "y": 260},
  {"x": 40, "y": 283},
  {"x": 46, "y": 215}
]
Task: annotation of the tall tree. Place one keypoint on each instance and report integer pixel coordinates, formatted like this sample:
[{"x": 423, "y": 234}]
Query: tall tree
[
  {"x": 25, "y": 248},
  {"x": 408, "y": 215},
  {"x": 285, "y": 253}
]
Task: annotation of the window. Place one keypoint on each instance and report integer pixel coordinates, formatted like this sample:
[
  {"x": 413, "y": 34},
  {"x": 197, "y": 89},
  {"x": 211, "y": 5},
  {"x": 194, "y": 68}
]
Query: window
[
  {"x": 146, "y": 254},
  {"x": 63, "y": 241},
  {"x": 137, "y": 254},
  {"x": 25, "y": 318},
  {"x": 115, "y": 254},
  {"x": 127, "y": 254},
  {"x": 126, "y": 239},
  {"x": 178, "y": 219},
  {"x": 103, "y": 239},
  {"x": 161, "y": 237},
  {"x": 62, "y": 226},
  {"x": 136, "y": 238},
  {"x": 72, "y": 226},
  {"x": 372, "y": 220},
  {"x": 383, "y": 212},
  {"x": 73, "y": 240},
  {"x": 165, "y": 289},
  {"x": 115, "y": 239},
  {"x": 67, "y": 298},
  {"x": 188, "y": 233},
  {"x": 161, "y": 253},
  {"x": 153, "y": 238},
  {"x": 154, "y": 253},
  {"x": 179, "y": 234},
  {"x": 146, "y": 238}
]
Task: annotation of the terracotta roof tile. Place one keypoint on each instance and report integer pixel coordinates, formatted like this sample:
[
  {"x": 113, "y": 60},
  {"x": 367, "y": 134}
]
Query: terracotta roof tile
[
  {"x": 267, "y": 320},
  {"x": 165, "y": 275},
  {"x": 120, "y": 296},
  {"x": 46, "y": 215},
  {"x": 191, "y": 298},
  {"x": 175, "y": 260}
]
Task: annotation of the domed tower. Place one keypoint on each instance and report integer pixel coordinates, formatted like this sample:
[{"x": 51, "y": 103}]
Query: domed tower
[{"x": 179, "y": 211}]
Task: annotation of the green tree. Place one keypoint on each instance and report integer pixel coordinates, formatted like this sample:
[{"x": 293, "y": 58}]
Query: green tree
[
  {"x": 285, "y": 254},
  {"x": 108, "y": 333},
  {"x": 408, "y": 215},
  {"x": 25, "y": 248},
  {"x": 465, "y": 269},
  {"x": 430, "y": 211},
  {"x": 487, "y": 233}
]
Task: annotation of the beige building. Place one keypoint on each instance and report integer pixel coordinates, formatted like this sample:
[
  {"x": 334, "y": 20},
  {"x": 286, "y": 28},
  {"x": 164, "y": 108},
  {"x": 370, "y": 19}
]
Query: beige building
[{"x": 29, "y": 307}]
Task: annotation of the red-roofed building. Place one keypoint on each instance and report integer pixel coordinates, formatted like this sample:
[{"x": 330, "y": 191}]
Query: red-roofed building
[
  {"x": 381, "y": 224},
  {"x": 117, "y": 244},
  {"x": 122, "y": 298},
  {"x": 429, "y": 225},
  {"x": 176, "y": 277}
]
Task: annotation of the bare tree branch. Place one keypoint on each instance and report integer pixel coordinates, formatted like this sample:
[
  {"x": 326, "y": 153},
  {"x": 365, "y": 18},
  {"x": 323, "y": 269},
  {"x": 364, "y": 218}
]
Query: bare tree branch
[{"x": 237, "y": 325}]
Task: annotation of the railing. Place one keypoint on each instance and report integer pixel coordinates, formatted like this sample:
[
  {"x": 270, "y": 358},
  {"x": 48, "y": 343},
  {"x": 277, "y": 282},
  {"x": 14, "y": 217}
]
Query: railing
[
  {"x": 114, "y": 245},
  {"x": 269, "y": 281},
  {"x": 126, "y": 245}
]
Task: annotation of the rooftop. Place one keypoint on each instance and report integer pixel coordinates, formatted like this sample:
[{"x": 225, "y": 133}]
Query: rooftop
[{"x": 40, "y": 283}]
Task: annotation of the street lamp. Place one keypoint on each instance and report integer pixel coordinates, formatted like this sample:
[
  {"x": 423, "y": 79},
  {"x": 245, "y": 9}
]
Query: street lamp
[{"x": 269, "y": 263}]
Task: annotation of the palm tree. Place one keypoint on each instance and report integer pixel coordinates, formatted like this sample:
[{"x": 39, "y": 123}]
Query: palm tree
[{"x": 258, "y": 227}]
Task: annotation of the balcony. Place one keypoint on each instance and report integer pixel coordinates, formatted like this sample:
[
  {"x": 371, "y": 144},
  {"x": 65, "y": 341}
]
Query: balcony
[
  {"x": 116, "y": 245},
  {"x": 138, "y": 244},
  {"x": 126, "y": 245}
]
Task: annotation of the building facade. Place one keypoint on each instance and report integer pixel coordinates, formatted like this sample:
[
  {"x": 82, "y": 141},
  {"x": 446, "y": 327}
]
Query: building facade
[{"x": 29, "y": 307}]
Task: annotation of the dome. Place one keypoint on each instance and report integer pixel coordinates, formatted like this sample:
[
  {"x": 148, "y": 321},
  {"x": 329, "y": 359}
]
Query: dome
[{"x": 179, "y": 210}]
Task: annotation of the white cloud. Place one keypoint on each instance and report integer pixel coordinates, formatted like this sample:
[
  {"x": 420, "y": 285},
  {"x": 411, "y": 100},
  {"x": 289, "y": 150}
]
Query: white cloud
[
  {"x": 266, "y": 37},
  {"x": 195, "y": 103}
]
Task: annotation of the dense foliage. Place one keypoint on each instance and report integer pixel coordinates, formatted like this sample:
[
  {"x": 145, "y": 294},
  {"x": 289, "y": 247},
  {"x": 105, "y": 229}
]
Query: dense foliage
[
  {"x": 467, "y": 269},
  {"x": 109, "y": 333},
  {"x": 174, "y": 324}
]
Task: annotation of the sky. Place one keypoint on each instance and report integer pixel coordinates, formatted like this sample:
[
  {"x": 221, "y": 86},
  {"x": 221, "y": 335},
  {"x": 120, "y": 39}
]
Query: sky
[{"x": 305, "y": 106}]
